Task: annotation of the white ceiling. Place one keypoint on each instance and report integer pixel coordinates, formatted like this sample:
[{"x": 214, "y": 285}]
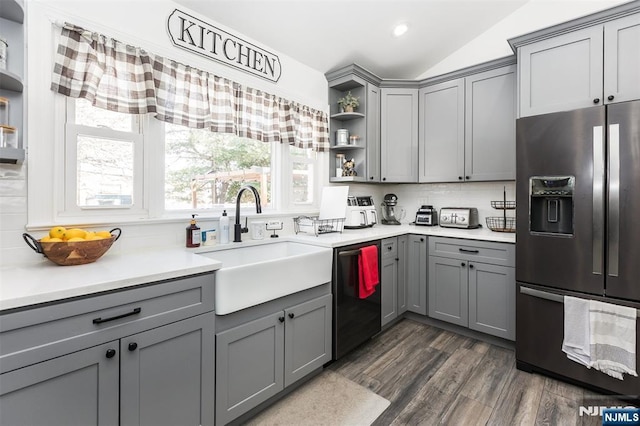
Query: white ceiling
[{"x": 327, "y": 34}]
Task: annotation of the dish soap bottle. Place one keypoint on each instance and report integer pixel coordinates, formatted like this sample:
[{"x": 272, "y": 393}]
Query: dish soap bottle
[
  {"x": 223, "y": 236},
  {"x": 193, "y": 233}
]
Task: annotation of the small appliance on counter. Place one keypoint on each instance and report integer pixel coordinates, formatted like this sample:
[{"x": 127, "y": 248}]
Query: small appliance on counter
[
  {"x": 459, "y": 217},
  {"x": 427, "y": 216},
  {"x": 360, "y": 212},
  {"x": 389, "y": 210}
]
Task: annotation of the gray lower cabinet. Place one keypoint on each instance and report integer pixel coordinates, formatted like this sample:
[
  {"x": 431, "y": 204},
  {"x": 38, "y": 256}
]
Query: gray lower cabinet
[
  {"x": 143, "y": 356},
  {"x": 472, "y": 284},
  {"x": 81, "y": 388},
  {"x": 257, "y": 360},
  {"x": 416, "y": 274},
  {"x": 389, "y": 279},
  {"x": 402, "y": 293}
]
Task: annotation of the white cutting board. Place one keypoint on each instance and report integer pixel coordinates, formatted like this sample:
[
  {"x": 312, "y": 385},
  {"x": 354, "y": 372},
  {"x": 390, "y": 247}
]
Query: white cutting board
[{"x": 333, "y": 204}]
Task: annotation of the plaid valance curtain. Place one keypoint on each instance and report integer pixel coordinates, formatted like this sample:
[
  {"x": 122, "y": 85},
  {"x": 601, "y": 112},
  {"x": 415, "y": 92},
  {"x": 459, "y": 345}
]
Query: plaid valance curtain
[{"x": 124, "y": 78}]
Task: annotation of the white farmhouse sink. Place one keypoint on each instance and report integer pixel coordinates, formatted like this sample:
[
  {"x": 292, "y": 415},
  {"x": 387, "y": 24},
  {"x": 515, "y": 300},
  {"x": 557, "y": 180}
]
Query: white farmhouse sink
[{"x": 256, "y": 274}]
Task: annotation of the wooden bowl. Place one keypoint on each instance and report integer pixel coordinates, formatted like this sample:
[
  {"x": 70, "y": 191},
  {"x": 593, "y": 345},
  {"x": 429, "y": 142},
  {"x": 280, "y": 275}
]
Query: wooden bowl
[{"x": 66, "y": 253}]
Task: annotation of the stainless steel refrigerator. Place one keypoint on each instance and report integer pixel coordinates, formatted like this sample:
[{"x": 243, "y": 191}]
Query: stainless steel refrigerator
[{"x": 578, "y": 229}]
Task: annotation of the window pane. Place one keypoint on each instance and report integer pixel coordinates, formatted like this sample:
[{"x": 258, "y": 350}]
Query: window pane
[
  {"x": 206, "y": 170},
  {"x": 302, "y": 186},
  {"x": 105, "y": 172},
  {"x": 88, "y": 115}
]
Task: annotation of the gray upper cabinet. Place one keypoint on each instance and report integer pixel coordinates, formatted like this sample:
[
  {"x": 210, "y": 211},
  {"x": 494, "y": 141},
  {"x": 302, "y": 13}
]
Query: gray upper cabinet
[
  {"x": 590, "y": 61},
  {"x": 399, "y": 135},
  {"x": 417, "y": 274},
  {"x": 442, "y": 132},
  {"x": 373, "y": 133},
  {"x": 467, "y": 126},
  {"x": 622, "y": 59},
  {"x": 490, "y": 125}
]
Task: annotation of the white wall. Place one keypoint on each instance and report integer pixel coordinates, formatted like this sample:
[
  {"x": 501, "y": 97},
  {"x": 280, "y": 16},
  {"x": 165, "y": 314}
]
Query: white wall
[
  {"x": 141, "y": 23},
  {"x": 534, "y": 15}
]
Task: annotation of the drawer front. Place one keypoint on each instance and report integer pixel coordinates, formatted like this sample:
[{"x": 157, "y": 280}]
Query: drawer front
[
  {"x": 389, "y": 248},
  {"x": 35, "y": 335},
  {"x": 480, "y": 251}
]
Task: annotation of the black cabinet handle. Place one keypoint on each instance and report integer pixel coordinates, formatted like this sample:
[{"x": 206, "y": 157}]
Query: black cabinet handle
[
  {"x": 110, "y": 353},
  {"x": 469, "y": 251},
  {"x": 371, "y": 178},
  {"x": 133, "y": 346},
  {"x": 463, "y": 264},
  {"x": 596, "y": 100},
  {"x": 422, "y": 240},
  {"x": 384, "y": 178},
  {"x": 389, "y": 248},
  {"x": 281, "y": 319},
  {"x": 459, "y": 177},
  {"x": 291, "y": 315},
  {"x": 470, "y": 266},
  {"x": 467, "y": 177},
  {"x": 610, "y": 97},
  {"x": 100, "y": 320},
  {"x": 397, "y": 259}
]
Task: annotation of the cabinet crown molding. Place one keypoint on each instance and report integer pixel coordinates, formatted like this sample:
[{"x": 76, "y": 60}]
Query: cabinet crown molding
[{"x": 576, "y": 24}]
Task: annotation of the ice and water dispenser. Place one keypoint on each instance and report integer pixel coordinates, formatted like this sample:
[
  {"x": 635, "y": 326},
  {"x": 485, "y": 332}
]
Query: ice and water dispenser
[{"x": 551, "y": 204}]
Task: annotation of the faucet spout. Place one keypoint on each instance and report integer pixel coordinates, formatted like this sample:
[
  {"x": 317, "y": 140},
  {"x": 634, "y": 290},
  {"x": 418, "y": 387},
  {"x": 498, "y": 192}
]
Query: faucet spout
[{"x": 237, "y": 228}]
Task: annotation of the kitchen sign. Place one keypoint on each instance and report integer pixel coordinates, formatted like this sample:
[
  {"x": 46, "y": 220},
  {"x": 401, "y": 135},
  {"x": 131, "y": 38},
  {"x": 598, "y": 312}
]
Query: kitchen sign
[{"x": 204, "y": 39}]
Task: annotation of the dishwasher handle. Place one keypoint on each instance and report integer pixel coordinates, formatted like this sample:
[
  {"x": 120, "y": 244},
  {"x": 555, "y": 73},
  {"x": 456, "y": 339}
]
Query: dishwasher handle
[{"x": 349, "y": 253}]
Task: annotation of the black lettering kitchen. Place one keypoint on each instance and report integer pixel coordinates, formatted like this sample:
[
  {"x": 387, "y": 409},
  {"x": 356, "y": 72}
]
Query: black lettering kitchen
[{"x": 204, "y": 39}]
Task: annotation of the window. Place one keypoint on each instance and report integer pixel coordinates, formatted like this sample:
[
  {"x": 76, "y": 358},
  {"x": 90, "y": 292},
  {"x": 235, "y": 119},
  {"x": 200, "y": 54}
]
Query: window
[{"x": 111, "y": 160}]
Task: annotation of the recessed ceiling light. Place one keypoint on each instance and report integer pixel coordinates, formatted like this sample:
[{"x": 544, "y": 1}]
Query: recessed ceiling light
[{"x": 400, "y": 29}]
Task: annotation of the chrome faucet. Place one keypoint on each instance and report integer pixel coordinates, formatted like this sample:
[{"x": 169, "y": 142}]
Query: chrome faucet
[{"x": 238, "y": 230}]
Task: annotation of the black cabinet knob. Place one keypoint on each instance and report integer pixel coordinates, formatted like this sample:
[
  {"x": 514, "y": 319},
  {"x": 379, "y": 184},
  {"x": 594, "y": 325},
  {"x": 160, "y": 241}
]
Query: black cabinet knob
[
  {"x": 371, "y": 178},
  {"x": 470, "y": 266},
  {"x": 610, "y": 97},
  {"x": 389, "y": 248},
  {"x": 596, "y": 100},
  {"x": 281, "y": 319},
  {"x": 422, "y": 240},
  {"x": 459, "y": 177},
  {"x": 463, "y": 264},
  {"x": 397, "y": 259},
  {"x": 467, "y": 177},
  {"x": 384, "y": 178},
  {"x": 291, "y": 315},
  {"x": 133, "y": 346},
  {"x": 111, "y": 353}
]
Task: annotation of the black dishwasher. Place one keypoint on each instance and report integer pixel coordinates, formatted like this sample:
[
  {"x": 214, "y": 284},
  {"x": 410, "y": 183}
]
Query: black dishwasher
[{"x": 355, "y": 320}]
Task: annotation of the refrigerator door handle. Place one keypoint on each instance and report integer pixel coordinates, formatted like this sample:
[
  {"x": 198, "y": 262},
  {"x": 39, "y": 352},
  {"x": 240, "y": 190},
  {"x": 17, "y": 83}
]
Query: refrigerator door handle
[
  {"x": 613, "y": 248},
  {"x": 598, "y": 200}
]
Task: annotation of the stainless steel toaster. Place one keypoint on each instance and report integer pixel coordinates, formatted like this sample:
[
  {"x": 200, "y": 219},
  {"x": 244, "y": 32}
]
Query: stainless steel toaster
[{"x": 459, "y": 217}]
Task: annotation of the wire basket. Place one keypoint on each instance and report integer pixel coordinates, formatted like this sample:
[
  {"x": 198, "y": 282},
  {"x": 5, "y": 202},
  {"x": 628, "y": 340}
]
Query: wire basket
[
  {"x": 501, "y": 224},
  {"x": 503, "y": 205},
  {"x": 313, "y": 225}
]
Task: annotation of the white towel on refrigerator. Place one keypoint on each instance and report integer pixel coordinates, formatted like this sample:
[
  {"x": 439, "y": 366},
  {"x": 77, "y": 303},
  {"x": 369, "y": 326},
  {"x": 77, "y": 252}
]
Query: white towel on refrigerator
[
  {"x": 613, "y": 338},
  {"x": 577, "y": 331}
]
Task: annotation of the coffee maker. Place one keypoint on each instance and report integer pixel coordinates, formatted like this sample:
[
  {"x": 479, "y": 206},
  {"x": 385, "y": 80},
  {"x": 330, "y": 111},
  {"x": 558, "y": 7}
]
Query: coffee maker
[{"x": 389, "y": 210}]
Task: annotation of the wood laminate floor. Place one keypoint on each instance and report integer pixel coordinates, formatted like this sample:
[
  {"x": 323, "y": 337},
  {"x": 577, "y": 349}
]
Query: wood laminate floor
[{"x": 433, "y": 376}]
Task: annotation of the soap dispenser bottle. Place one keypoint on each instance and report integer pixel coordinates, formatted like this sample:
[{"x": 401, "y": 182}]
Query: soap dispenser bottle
[
  {"x": 193, "y": 233},
  {"x": 223, "y": 237}
]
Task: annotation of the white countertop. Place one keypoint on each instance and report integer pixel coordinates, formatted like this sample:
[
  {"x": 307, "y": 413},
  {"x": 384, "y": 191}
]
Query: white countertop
[{"x": 43, "y": 281}]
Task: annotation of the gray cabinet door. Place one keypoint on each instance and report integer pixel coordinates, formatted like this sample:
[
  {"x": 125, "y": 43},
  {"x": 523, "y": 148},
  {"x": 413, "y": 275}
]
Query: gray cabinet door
[
  {"x": 389, "y": 283},
  {"x": 417, "y": 274},
  {"x": 448, "y": 290},
  {"x": 403, "y": 247},
  {"x": 561, "y": 73},
  {"x": 490, "y": 125},
  {"x": 76, "y": 389},
  {"x": 622, "y": 59},
  {"x": 307, "y": 340},
  {"x": 167, "y": 374},
  {"x": 249, "y": 366},
  {"x": 373, "y": 133},
  {"x": 399, "y": 135},
  {"x": 441, "y": 133},
  {"x": 492, "y": 299}
]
